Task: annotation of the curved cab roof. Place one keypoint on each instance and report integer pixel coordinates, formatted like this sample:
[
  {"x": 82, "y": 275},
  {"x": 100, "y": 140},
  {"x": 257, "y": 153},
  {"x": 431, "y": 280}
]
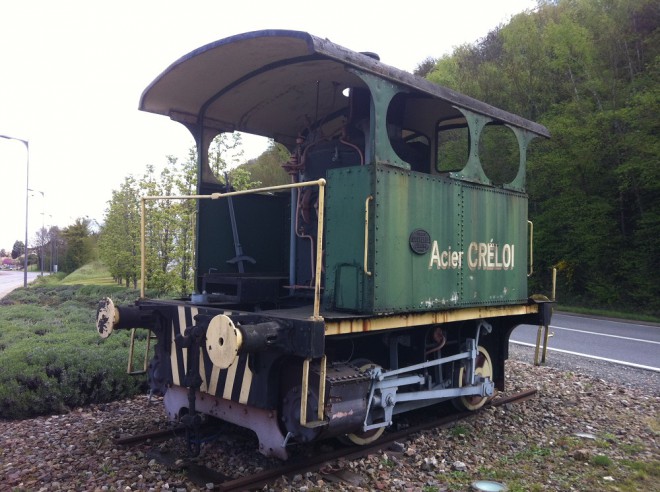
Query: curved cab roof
[{"x": 268, "y": 82}]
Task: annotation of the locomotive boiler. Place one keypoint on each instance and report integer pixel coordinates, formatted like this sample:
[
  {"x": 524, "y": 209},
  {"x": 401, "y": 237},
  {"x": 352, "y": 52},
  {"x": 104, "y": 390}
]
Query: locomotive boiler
[{"x": 387, "y": 276}]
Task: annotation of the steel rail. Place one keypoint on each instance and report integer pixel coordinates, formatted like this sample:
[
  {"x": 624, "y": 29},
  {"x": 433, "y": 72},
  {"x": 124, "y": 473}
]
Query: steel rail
[
  {"x": 306, "y": 464},
  {"x": 261, "y": 479}
]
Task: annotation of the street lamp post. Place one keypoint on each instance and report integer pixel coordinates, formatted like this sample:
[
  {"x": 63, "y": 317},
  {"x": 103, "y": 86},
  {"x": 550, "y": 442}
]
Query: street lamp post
[{"x": 27, "y": 187}]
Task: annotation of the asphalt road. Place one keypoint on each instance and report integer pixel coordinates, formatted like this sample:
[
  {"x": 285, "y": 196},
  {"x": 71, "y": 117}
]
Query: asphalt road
[
  {"x": 622, "y": 342},
  {"x": 10, "y": 280}
]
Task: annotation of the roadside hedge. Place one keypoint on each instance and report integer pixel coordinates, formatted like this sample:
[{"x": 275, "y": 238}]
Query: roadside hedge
[{"x": 51, "y": 358}]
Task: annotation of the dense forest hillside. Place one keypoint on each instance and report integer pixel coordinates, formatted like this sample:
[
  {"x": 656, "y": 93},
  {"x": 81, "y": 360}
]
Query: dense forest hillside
[{"x": 589, "y": 71}]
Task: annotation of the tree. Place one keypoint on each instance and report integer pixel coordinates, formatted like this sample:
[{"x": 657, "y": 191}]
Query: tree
[
  {"x": 18, "y": 249},
  {"x": 225, "y": 152},
  {"x": 186, "y": 183},
  {"x": 78, "y": 245},
  {"x": 161, "y": 223},
  {"x": 56, "y": 245},
  {"x": 425, "y": 67},
  {"x": 41, "y": 239},
  {"x": 266, "y": 170},
  {"x": 589, "y": 72},
  {"x": 119, "y": 241}
]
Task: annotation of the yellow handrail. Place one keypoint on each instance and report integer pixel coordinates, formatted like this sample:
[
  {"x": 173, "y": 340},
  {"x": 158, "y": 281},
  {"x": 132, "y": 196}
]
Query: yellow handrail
[
  {"x": 214, "y": 196},
  {"x": 305, "y": 390},
  {"x": 366, "y": 234},
  {"x": 319, "y": 252},
  {"x": 531, "y": 248},
  {"x": 131, "y": 352}
]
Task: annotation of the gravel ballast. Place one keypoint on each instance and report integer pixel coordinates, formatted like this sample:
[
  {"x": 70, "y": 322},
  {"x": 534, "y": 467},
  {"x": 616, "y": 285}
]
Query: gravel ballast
[{"x": 592, "y": 426}]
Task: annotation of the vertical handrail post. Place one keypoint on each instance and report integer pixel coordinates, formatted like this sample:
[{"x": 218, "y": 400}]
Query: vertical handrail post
[
  {"x": 366, "y": 235},
  {"x": 531, "y": 248},
  {"x": 319, "y": 251},
  {"x": 142, "y": 246}
]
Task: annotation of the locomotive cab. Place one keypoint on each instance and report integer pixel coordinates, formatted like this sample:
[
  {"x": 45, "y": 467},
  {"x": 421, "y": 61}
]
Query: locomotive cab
[{"x": 385, "y": 277}]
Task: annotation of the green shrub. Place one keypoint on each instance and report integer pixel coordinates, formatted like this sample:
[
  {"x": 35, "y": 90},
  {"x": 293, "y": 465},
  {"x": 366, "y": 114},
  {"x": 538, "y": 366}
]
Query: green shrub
[
  {"x": 602, "y": 460},
  {"x": 51, "y": 356}
]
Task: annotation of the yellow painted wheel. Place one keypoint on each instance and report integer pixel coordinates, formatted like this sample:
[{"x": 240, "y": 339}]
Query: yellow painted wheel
[
  {"x": 364, "y": 438},
  {"x": 483, "y": 368}
]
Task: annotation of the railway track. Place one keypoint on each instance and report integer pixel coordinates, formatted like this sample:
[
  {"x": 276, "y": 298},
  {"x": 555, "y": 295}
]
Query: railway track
[{"x": 202, "y": 474}]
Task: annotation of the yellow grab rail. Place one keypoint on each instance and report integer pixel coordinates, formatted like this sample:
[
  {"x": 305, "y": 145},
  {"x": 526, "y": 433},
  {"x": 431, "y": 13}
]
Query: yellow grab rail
[
  {"x": 131, "y": 355},
  {"x": 531, "y": 248},
  {"x": 215, "y": 196},
  {"x": 321, "y": 397},
  {"x": 366, "y": 234}
]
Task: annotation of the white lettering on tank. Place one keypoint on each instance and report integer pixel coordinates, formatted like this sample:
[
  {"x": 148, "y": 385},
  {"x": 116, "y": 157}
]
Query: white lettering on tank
[
  {"x": 480, "y": 256},
  {"x": 446, "y": 259},
  {"x": 490, "y": 256}
]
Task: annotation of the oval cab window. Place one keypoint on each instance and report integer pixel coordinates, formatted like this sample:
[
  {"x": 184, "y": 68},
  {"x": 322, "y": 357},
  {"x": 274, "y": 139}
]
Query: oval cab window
[{"x": 499, "y": 153}]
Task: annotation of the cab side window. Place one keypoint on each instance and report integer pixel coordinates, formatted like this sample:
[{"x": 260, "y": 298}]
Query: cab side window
[{"x": 453, "y": 148}]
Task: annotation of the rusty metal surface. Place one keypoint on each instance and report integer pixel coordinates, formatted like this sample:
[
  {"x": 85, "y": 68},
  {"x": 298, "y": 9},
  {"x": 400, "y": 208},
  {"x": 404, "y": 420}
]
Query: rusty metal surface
[
  {"x": 262, "y": 422},
  {"x": 516, "y": 398},
  {"x": 357, "y": 324}
]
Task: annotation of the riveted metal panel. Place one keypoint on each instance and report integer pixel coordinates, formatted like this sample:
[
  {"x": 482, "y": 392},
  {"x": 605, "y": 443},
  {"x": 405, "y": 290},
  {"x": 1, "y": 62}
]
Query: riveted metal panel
[
  {"x": 407, "y": 202},
  {"x": 347, "y": 286},
  {"x": 495, "y": 231},
  {"x": 478, "y": 245},
  {"x": 435, "y": 243}
]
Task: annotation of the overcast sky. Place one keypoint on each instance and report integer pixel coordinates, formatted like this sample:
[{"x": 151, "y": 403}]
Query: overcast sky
[{"x": 72, "y": 72}]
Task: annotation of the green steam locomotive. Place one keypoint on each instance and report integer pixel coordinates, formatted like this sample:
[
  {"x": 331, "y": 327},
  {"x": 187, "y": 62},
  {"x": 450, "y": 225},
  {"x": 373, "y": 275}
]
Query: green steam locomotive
[{"x": 387, "y": 276}]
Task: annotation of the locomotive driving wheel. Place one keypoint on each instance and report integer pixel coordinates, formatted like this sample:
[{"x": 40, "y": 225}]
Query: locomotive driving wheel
[
  {"x": 363, "y": 438},
  {"x": 483, "y": 367}
]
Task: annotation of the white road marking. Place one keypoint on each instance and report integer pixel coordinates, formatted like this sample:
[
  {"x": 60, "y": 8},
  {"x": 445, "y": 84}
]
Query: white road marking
[
  {"x": 614, "y": 361},
  {"x": 604, "y": 334}
]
